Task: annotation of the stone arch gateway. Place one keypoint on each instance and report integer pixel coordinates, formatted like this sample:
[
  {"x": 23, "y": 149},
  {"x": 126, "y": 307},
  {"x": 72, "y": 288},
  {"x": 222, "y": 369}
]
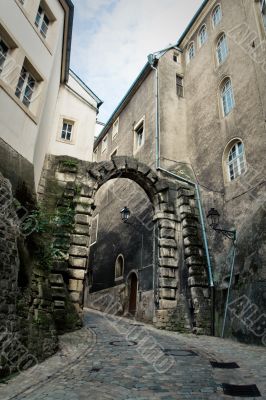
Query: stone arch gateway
[{"x": 179, "y": 306}]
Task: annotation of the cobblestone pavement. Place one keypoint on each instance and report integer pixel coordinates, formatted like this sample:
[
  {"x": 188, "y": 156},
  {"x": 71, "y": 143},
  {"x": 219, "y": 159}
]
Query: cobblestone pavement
[{"x": 112, "y": 358}]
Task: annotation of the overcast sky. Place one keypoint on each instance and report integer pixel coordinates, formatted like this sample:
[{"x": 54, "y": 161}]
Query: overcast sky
[{"x": 112, "y": 39}]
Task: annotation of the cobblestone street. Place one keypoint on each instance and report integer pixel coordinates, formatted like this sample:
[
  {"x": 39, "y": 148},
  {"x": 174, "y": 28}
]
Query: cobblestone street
[{"x": 112, "y": 358}]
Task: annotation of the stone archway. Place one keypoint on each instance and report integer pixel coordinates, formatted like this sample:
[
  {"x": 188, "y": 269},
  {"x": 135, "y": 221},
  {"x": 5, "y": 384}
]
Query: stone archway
[{"x": 79, "y": 181}]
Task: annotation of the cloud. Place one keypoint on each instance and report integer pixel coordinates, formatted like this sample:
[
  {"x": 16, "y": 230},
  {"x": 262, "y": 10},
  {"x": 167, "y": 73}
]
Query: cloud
[{"x": 112, "y": 39}]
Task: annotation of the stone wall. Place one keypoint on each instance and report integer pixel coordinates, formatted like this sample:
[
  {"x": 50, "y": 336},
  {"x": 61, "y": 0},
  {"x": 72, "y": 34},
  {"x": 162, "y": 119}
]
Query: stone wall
[{"x": 27, "y": 329}]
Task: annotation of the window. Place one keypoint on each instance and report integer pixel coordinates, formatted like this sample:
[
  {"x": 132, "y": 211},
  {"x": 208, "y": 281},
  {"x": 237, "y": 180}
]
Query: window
[
  {"x": 179, "y": 86},
  {"x": 95, "y": 155},
  {"x": 119, "y": 267},
  {"x": 190, "y": 52},
  {"x": 221, "y": 49},
  {"x": 94, "y": 229},
  {"x": 263, "y": 11},
  {"x": 216, "y": 16},
  {"x": 227, "y": 97},
  {"x": 67, "y": 131},
  {"x": 22, "y": 1},
  {"x": 42, "y": 22},
  {"x": 203, "y": 35},
  {"x": 25, "y": 87},
  {"x": 104, "y": 144},
  {"x": 114, "y": 154},
  {"x": 236, "y": 163},
  {"x": 3, "y": 54},
  {"x": 175, "y": 57},
  {"x": 115, "y": 128},
  {"x": 139, "y": 135}
]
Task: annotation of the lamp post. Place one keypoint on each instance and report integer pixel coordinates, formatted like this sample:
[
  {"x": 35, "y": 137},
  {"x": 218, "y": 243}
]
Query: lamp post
[{"x": 213, "y": 217}]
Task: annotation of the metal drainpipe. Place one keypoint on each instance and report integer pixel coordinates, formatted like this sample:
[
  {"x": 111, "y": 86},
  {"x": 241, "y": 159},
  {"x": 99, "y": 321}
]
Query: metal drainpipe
[
  {"x": 230, "y": 284},
  {"x": 181, "y": 179}
]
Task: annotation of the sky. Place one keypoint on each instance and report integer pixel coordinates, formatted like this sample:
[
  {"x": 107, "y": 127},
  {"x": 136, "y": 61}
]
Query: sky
[{"x": 112, "y": 39}]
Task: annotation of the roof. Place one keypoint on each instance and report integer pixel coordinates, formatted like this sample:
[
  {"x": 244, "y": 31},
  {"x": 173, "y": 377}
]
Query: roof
[
  {"x": 142, "y": 75},
  {"x": 86, "y": 88}
]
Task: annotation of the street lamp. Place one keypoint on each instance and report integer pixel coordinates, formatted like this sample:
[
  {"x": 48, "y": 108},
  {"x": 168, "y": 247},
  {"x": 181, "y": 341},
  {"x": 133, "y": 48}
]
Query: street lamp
[
  {"x": 213, "y": 217},
  {"x": 125, "y": 214}
]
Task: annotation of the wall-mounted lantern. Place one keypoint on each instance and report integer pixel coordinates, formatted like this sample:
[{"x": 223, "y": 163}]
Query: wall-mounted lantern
[
  {"x": 125, "y": 214},
  {"x": 213, "y": 217}
]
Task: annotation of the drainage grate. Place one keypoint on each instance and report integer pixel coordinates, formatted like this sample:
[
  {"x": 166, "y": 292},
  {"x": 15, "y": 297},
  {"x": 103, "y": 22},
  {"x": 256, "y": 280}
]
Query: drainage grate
[
  {"x": 125, "y": 343},
  {"x": 180, "y": 353},
  {"x": 241, "y": 390},
  {"x": 224, "y": 365}
]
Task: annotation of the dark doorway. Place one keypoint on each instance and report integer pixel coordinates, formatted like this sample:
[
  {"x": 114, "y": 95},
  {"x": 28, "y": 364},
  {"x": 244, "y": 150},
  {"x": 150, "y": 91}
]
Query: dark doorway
[{"x": 133, "y": 288}]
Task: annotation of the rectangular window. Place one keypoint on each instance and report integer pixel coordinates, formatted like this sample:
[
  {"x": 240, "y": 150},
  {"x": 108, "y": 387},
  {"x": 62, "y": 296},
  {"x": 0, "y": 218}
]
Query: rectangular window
[
  {"x": 115, "y": 128},
  {"x": 42, "y": 22},
  {"x": 25, "y": 87},
  {"x": 94, "y": 229},
  {"x": 179, "y": 86},
  {"x": 67, "y": 131},
  {"x": 3, "y": 54},
  {"x": 263, "y": 11},
  {"x": 139, "y": 135},
  {"x": 104, "y": 144}
]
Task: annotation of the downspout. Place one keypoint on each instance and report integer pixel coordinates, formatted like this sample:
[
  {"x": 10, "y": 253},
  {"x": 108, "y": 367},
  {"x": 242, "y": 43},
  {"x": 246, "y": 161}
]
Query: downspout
[{"x": 151, "y": 60}]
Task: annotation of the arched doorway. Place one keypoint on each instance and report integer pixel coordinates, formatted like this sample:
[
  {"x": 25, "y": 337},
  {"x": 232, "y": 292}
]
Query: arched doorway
[{"x": 133, "y": 291}]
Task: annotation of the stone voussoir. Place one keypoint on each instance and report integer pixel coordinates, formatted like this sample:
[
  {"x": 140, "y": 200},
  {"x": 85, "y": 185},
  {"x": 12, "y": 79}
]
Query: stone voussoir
[
  {"x": 79, "y": 251},
  {"x": 77, "y": 262},
  {"x": 167, "y": 272},
  {"x": 81, "y": 240},
  {"x": 167, "y": 243},
  {"x": 168, "y": 262}
]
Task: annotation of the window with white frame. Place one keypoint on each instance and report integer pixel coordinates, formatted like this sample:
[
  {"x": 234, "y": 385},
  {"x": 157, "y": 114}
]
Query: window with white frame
[
  {"x": 119, "y": 267},
  {"x": 179, "y": 86},
  {"x": 67, "y": 131},
  {"x": 190, "y": 52},
  {"x": 3, "y": 53},
  {"x": 203, "y": 35},
  {"x": 263, "y": 11},
  {"x": 115, "y": 128},
  {"x": 104, "y": 144},
  {"x": 139, "y": 135},
  {"x": 236, "y": 163},
  {"x": 216, "y": 15},
  {"x": 26, "y": 86},
  {"x": 42, "y": 21},
  {"x": 221, "y": 49},
  {"x": 227, "y": 97}
]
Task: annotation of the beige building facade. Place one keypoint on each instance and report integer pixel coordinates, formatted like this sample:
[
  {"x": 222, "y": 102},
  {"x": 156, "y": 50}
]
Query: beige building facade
[
  {"x": 37, "y": 91},
  {"x": 196, "y": 114}
]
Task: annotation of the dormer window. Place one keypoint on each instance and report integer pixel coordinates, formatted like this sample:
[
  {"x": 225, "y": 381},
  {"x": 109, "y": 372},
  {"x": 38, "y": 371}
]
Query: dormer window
[{"x": 42, "y": 22}]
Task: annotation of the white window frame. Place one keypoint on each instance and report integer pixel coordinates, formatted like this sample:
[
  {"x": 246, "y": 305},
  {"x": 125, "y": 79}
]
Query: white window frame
[
  {"x": 115, "y": 128},
  {"x": 236, "y": 161},
  {"x": 203, "y": 38},
  {"x": 140, "y": 123},
  {"x": 215, "y": 21},
  {"x": 96, "y": 217},
  {"x": 23, "y": 85},
  {"x": 191, "y": 52},
  {"x": 71, "y": 123},
  {"x": 40, "y": 22},
  {"x": 221, "y": 49},
  {"x": 227, "y": 97},
  {"x": 4, "y": 56},
  {"x": 104, "y": 144}
]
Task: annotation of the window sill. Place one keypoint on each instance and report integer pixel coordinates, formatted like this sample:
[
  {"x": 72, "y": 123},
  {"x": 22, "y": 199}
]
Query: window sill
[
  {"x": 72, "y": 142},
  {"x": 6, "y": 88}
]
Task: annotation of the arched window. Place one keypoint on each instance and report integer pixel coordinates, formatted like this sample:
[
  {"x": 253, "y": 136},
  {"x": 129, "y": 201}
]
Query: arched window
[
  {"x": 221, "y": 49},
  {"x": 190, "y": 52},
  {"x": 216, "y": 15},
  {"x": 119, "y": 267},
  {"x": 227, "y": 97},
  {"x": 203, "y": 35},
  {"x": 236, "y": 163}
]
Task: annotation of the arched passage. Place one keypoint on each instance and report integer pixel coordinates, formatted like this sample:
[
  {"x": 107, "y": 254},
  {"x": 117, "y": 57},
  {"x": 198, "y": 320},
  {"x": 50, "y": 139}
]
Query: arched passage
[{"x": 172, "y": 214}]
